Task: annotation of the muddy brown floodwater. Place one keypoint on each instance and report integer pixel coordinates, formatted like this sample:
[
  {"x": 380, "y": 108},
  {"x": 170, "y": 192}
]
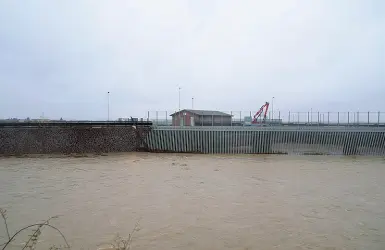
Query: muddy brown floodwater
[{"x": 200, "y": 201}]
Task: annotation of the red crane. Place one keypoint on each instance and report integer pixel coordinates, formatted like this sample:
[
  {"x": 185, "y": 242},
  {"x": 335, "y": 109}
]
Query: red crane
[{"x": 259, "y": 113}]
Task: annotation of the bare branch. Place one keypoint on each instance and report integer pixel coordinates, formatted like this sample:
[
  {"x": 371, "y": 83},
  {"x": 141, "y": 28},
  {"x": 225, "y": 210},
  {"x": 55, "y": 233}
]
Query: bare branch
[
  {"x": 3, "y": 213},
  {"x": 128, "y": 242},
  {"x": 36, "y": 233},
  {"x": 34, "y": 225},
  {"x": 120, "y": 243}
]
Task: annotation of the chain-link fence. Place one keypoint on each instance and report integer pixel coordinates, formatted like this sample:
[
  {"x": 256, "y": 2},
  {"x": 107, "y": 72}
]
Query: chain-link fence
[{"x": 276, "y": 118}]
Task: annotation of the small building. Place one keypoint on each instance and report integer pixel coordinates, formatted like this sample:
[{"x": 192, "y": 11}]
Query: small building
[{"x": 190, "y": 117}]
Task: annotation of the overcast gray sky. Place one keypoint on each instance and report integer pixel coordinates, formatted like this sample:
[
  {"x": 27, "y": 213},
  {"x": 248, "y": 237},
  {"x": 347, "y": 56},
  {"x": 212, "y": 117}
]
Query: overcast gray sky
[{"x": 62, "y": 57}]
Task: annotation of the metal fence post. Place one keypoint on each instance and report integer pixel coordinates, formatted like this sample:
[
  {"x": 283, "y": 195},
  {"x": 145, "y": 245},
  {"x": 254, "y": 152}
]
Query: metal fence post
[
  {"x": 348, "y": 118},
  {"x": 318, "y": 118},
  {"x": 338, "y": 116},
  {"x": 311, "y": 116},
  {"x": 378, "y": 122},
  {"x": 298, "y": 118}
]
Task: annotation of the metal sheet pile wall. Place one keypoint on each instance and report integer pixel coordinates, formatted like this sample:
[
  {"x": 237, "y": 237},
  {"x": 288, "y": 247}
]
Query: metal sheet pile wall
[{"x": 278, "y": 140}]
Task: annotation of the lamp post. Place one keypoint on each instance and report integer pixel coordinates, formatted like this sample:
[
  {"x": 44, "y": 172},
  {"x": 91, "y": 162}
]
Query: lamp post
[
  {"x": 192, "y": 103},
  {"x": 179, "y": 97},
  {"x": 108, "y": 106}
]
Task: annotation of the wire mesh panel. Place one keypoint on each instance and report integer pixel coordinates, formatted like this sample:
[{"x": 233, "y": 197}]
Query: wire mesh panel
[
  {"x": 380, "y": 118},
  {"x": 246, "y": 118}
]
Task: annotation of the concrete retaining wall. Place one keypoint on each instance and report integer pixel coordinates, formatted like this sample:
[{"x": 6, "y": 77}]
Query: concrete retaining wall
[{"x": 34, "y": 140}]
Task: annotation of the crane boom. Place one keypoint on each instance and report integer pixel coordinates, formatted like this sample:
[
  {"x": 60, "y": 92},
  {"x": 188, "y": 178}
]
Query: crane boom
[{"x": 259, "y": 113}]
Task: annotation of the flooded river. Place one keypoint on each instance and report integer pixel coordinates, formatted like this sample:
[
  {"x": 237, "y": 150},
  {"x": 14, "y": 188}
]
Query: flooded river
[{"x": 199, "y": 201}]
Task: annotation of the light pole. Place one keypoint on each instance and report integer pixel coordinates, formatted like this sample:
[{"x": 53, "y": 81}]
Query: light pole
[
  {"x": 272, "y": 108},
  {"x": 192, "y": 103},
  {"x": 179, "y": 97},
  {"x": 108, "y": 106}
]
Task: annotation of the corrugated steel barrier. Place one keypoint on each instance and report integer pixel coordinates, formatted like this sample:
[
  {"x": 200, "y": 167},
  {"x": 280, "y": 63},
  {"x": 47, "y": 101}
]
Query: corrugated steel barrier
[{"x": 268, "y": 140}]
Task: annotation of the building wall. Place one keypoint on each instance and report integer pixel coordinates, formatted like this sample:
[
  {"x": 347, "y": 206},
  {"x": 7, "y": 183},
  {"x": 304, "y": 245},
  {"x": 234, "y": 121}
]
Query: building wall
[
  {"x": 200, "y": 120},
  {"x": 184, "y": 118},
  {"x": 213, "y": 121}
]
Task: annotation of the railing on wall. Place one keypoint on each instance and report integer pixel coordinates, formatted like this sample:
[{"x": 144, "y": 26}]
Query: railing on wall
[{"x": 243, "y": 118}]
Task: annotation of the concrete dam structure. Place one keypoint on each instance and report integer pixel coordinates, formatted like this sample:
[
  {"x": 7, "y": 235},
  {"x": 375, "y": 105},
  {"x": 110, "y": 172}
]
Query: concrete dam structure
[
  {"x": 67, "y": 138},
  {"x": 268, "y": 140}
]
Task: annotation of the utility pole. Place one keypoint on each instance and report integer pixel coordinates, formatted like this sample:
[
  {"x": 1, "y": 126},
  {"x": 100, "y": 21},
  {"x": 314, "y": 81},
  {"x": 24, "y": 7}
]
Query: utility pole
[{"x": 108, "y": 106}]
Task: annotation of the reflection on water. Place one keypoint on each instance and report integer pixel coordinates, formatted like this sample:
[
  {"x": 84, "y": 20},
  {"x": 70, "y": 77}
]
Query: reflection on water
[{"x": 201, "y": 201}]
